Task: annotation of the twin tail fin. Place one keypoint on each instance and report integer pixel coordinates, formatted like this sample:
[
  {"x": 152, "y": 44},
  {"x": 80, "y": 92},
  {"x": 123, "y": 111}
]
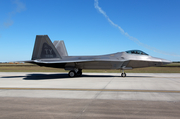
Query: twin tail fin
[{"x": 44, "y": 48}]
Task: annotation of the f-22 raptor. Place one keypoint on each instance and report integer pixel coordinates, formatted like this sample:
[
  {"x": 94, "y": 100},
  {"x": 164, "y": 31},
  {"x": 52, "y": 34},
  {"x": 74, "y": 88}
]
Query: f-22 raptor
[{"x": 55, "y": 55}]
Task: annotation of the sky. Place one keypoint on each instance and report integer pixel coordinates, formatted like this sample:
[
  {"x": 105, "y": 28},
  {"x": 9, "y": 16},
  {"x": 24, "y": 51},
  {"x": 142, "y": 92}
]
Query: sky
[{"x": 91, "y": 27}]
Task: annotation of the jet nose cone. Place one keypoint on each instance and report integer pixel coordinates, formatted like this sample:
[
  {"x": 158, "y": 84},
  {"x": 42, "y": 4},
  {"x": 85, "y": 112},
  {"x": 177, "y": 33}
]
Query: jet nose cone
[{"x": 164, "y": 61}]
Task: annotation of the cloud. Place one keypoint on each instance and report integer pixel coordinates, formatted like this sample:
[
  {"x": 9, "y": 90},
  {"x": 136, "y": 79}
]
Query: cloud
[
  {"x": 127, "y": 35},
  {"x": 19, "y": 8},
  {"x": 8, "y": 23}
]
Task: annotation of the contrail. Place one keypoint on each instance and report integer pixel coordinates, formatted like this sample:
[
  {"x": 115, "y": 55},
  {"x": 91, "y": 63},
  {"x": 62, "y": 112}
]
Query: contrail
[
  {"x": 127, "y": 35},
  {"x": 19, "y": 8}
]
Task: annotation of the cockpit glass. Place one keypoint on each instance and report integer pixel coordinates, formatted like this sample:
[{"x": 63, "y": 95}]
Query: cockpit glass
[{"x": 136, "y": 52}]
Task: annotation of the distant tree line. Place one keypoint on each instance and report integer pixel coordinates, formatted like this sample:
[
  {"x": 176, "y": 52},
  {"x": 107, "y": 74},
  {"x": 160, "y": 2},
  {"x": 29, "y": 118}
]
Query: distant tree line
[{"x": 176, "y": 61}]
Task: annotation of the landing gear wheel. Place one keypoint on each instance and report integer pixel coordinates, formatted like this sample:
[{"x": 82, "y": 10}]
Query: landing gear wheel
[
  {"x": 79, "y": 73},
  {"x": 72, "y": 73},
  {"x": 123, "y": 74}
]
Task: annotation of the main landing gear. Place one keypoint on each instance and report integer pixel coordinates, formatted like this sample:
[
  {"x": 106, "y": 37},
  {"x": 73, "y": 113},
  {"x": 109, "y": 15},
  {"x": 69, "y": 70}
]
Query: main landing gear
[
  {"x": 76, "y": 72},
  {"x": 123, "y": 74}
]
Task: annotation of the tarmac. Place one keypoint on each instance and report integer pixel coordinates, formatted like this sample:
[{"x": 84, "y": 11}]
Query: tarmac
[{"x": 94, "y": 95}]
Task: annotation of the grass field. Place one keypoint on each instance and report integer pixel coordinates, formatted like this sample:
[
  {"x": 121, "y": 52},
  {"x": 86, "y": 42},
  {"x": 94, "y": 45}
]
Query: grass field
[{"x": 170, "y": 68}]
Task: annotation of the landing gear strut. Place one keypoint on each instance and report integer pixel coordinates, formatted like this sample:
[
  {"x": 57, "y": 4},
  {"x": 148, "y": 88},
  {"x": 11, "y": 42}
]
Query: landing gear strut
[
  {"x": 123, "y": 74},
  {"x": 75, "y": 72}
]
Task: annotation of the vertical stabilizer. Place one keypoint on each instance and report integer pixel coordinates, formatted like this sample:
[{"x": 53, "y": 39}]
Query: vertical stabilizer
[
  {"x": 44, "y": 49},
  {"x": 61, "y": 48}
]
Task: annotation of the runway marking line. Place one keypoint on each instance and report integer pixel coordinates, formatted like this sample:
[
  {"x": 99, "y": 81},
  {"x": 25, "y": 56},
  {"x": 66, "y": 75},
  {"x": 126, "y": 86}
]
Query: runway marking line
[{"x": 109, "y": 90}]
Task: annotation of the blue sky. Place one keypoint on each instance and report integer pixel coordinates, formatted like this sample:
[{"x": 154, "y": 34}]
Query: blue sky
[{"x": 155, "y": 24}]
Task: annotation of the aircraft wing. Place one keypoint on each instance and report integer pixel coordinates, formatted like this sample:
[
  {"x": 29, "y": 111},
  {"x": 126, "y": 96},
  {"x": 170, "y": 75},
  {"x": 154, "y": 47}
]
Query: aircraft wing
[{"x": 67, "y": 61}]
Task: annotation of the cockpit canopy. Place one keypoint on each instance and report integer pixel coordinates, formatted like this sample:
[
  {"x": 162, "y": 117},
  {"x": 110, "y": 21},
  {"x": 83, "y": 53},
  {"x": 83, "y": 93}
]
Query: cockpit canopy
[{"x": 136, "y": 52}]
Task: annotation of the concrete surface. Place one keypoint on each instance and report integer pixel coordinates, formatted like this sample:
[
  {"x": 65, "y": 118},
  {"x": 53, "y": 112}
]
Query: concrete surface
[{"x": 94, "y": 95}]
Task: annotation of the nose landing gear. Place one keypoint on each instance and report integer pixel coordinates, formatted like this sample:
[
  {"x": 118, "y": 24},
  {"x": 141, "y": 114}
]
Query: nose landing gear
[{"x": 123, "y": 74}]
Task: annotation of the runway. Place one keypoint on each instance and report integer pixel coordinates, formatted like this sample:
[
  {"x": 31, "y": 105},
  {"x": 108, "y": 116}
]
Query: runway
[{"x": 94, "y": 95}]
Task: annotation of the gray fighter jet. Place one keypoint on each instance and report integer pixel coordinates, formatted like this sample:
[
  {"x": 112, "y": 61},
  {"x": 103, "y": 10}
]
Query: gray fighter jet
[{"x": 55, "y": 55}]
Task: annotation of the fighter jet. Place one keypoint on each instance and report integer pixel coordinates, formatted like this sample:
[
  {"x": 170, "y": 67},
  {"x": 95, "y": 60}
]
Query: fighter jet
[{"x": 55, "y": 55}]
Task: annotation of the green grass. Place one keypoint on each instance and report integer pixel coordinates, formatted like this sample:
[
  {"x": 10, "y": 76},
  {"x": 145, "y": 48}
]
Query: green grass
[
  {"x": 172, "y": 65},
  {"x": 170, "y": 68}
]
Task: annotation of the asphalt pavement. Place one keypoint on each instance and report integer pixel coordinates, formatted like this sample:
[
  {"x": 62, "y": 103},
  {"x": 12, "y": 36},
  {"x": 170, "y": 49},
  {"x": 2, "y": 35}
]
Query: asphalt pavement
[{"x": 94, "y": 95}]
